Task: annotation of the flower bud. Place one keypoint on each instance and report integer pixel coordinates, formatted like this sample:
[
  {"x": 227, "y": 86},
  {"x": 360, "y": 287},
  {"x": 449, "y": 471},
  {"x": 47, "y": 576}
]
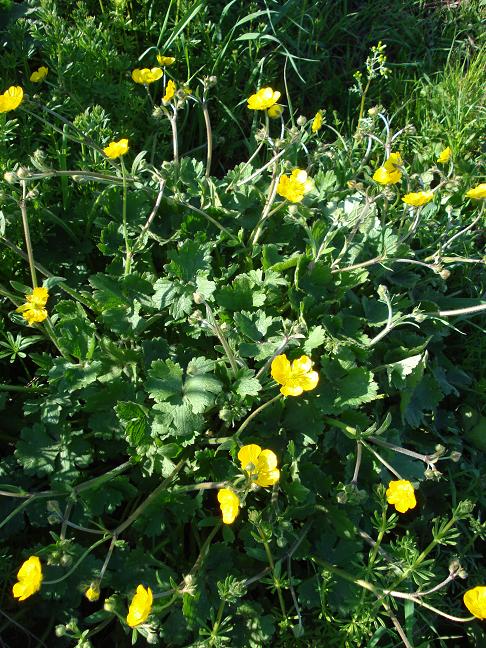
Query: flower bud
[
  {"x": 93, "y": 592},
  {"x": 439, "y": 449},
  {"x": 445, "y": 274},
  {"x": 10, "y": 177},
  {"x": 109, "y": 605},
  {"x": 455, "y": 456},
  {"x": 22, "y": 172},
  {"x": 60, "y": 631},
  {"x": 301, "y": 120},
  {"x": 454, "y": 567},
  {"x": 342, "y": 497},
  {"x": 198, "y": 298},
  {"x": 211, "y": 81},
  {"x": 374, "y": 110},
  {"x": 53, "y": 519},
  {"x": 66, "y": 560}
]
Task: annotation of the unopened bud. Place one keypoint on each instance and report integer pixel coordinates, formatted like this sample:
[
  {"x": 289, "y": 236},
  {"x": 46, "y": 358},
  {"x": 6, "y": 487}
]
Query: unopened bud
[
  {"x": 211, "y": 81},
  {"x": 301, "y": 120},
  {"x": 10, "y": 177},
  {"x": 22, "y": 172},
  {"x": 454, "y": 567},
  {"x": 60, "y": 631},
  {"x": 455, "y": 456},
  {"x": 158, "y": 113},
  {"x": 109, "y": 605},
  {"x": 439, "y": 449},
  {"x": 66, "y": 560},
  {"x": 53, "y": 519},
  {"x": 374, "y": 110},
  {"x": 198, "y": 298},
  {"x": 445, "y": 274},
  {"x": 342, "y": 497},
  {"x": 93, "y": 592}
]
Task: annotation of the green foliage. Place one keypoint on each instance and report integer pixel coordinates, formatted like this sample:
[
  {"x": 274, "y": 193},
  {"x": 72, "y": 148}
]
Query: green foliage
[{"x": 173, "y": 285}]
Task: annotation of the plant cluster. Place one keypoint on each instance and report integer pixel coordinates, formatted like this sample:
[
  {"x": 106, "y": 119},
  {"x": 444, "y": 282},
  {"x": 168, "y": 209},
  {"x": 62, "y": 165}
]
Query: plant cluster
[{"x": 232, "y": 416}]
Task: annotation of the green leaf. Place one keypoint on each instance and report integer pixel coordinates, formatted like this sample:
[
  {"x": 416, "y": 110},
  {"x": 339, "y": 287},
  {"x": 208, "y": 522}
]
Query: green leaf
[
  {"x": 37, "y": 451},
  {"x": 317, "y": 337},
  {"x": 200, "y": 387},
  {"x": 133, "y": 418},
  {"x": 165, "y": 383},
  {"x": 247, "y": 384},
  {"x": 355, "y": 388},
  {"x": 190, "y": 259}
]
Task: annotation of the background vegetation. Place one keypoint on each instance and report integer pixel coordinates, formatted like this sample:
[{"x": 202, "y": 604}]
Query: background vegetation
[{"x": 102, "y": 402}]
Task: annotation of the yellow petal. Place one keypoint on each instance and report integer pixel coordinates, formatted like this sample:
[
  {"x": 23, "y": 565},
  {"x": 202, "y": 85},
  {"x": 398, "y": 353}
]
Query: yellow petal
[
  {"x": 478, "y": 192},
  {"x": 280, "y": 369},
  {"x": 289, "y": 390},
  {"x": 267, "y": 461},
  {"x": 248, "y": 456},
  {"x": 230, "y": 505},
  {"x": 140, "y": 606},
  {"x": 268, "y": 477},
  {"x": 302, "y": 365},
  {"x": 475, "y": 601},
  {"x": 309, "y": 381}
]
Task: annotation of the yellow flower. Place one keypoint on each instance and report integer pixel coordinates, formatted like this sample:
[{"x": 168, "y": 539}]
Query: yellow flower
[
  {"x": 140, "y": 606},
  {"x": 260, "y": 464},
  {"x": 169, "y": 91},
  {"x": 418, "y": 199},
  {"x": 263, "y": 99},
  {"x": 229, "y": 504},
  {"x": 475, "y": 601},
  {"x": 477, "y": 192},
  {"x": 116, "y": 149},
  {"x": 389, "y": 173},
  {"x": 33, "y": 310},
  {"x": 295, "y": 378},
  {"x": 11, "y": 99},
  {"x": 295, "y": 186},
  {"x": 39, "y": 75},
  {"x": 93, "y": 592},
  {"x": 445, "y": 155},
  {"x": 147, "y": 75},
  {"x": 401, "y": 494},
  {"x": 317, "y": 122},
  {"x": 165, "y": 60},
  {"x": 275, "y": 111},
  {"x": 29, "y": 579}
]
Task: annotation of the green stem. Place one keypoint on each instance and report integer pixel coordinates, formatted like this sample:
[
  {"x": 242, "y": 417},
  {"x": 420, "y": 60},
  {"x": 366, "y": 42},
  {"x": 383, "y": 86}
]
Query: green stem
[
  {"x": 362, "y": 105},
  {"x": 255, "y": 413},
  {"x": 77, "y": 563},
  {"x": 148, "y": 500},
  {"x": 209, "y": 135},
  {"x": 128, "y": 253},
  {"x": 28, "y": 242},
  {"x": 276, "y": 580}
]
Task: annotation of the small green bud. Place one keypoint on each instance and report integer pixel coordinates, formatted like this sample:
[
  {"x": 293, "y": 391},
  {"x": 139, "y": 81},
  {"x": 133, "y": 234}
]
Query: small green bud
[
  {"x": 60, "y": 631},
  {"x": 455, "y": 456},
  {"x": 301, "y": 120},
  {"x": 10, "y": 177}
]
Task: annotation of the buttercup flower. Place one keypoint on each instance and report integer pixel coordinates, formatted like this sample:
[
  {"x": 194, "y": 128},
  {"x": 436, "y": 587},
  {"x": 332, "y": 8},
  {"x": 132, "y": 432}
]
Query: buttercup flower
[
  {"x": 317, "y": 122},
  {"x": 140, "y": 606},
  {"x": 29, "y": 579},
  {"x": 275, "y": 111},
  {"x": 401, "y": 494},
  {"x": 146, "y": 75},
  {"x": 295, "y": 378},
  {"x": 445, "y": 155},
  {"x": 39, "y": 75},
  {"x": 260, "y": 464},
  {"x": 295, "y": 186},
  {"x": 477, "y": 192},
  {"x": 34, "y": 309},
  {"x": 165, "y": 60},
  {"x": 169, "y": 91},
  {"x": 93, "y": 592},
  {"x": 229, "y": 503},
  {"x": 475, "y": 601},
  {"x": 389, "y": 173},
  {"x": 418, "y": 199},
  {"x": 116, "y": 149},
  {"x": 263, "y": 99},
  {"x": 11, "y": 99}
]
